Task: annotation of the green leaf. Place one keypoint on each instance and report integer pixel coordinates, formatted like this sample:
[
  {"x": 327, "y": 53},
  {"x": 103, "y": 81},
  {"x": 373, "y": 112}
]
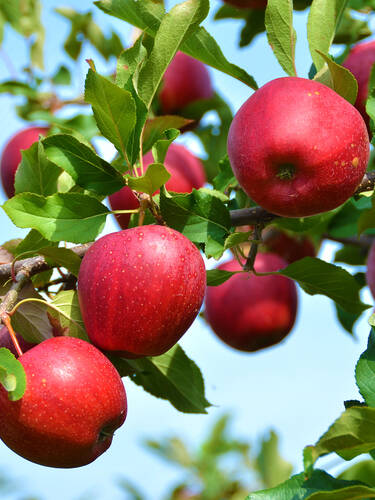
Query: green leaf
[
  {"x": 67, "y": 302},
  {"x": 346, "y": 319},
  {"x": 342, "y": 80},
  {"x": 281, "y": 34},
  {"x": 32, "y": 243},
  {"x": 155, "y": 176},
  {"x": 156, "y": 127},
  {"x": 172, "y": 376},
  {"x": 352, "y": 255},
  {"x": 301, "y": 487},
  {"x": 365, "y": 371},
  {"x": 370, "y": 103},
  {"x": 18, "y": 88},
  {"x": 62, "y": 76},
  {"x": 363, "y": 471},
  {"x": 63, "y": 257},
  {"x": 87, "y": 168},
  {"x": 351, "y": 30},
  {"x": 303, "y": 224},
  {"x": 30, "y": 320},
  {"x": 225, "y": 177},
  {"x": 352, "y": 434},
  {"x": 176, "y": 26},
  {"x": 216, "y": 277},
  {"x": 237, "y": 238},
  {"x": 198, "y": 215},
  {"x": 272, "y": 468},
  {"x": 324, "y": 17},
  {"x": 114, "y": 109},
  {"x": 36, "y": 174},
  {"x": 318, "y": 277},
  {"x": 367, "y": 219},
  {"x": 78, "y": 218},
  {"x": 200, "y": 45},
  {"x": 12, "y": 375}
]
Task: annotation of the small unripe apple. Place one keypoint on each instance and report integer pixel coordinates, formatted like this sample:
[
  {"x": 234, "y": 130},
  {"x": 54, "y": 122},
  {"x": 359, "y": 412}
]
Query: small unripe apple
[
  {"x": 187, "y": 172},
  {"x": 251, "y": 312},
  {"x": 248, "y": 4},
  {"x": 12, "y": 156},
  {"x": 73, "y": 403},
  {"x": 140, "y": 289},
  {"x": 370, "y": 271},
  {"x": 297, "y": 148},
  {"x": 185, "y": 81},
  {"x": 360, "y": 61},
  {"x": 6, "y": 341}
]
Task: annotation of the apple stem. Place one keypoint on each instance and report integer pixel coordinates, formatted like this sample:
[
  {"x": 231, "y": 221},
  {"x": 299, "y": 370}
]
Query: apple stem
[
  {"x": 6, "y": 320},
  {"x": 256, "y": 239}
]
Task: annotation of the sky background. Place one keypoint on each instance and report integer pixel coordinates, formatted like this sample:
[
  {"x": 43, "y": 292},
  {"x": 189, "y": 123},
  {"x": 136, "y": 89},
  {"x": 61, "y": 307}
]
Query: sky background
[{"x": 297, "y": 387}]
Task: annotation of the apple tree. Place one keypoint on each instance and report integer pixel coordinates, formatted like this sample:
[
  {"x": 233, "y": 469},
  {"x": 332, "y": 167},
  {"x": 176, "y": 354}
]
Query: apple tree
[{"x": 292, "y": 168}]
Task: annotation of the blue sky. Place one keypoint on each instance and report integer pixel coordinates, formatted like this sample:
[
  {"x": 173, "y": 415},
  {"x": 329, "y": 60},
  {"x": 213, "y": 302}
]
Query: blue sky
[{"x": 297, "y": 387}]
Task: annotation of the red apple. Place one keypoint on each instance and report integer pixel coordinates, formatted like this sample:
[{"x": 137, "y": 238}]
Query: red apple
[
  {"x": 6, "y": 341},
  {"x": 370, "y": 271},
  {"x": 187, "y": 172},
  {"x": 140, "y": 290},
  {"x": 251, "y": 312},
  {"x": 360, "y": 61},
  {"x": 73, "y": 403},
  {"x": 185, "y": 81},
  {"x": 297, "y": 148},
  {"x": 12, "y": 157},
  {"x": 290, "y": 248},
  {"x": 248, "y": 4}
]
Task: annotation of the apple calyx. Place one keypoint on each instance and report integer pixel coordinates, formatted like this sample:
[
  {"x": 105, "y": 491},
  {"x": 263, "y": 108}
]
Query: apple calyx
[{"x": 286, "y": 171}]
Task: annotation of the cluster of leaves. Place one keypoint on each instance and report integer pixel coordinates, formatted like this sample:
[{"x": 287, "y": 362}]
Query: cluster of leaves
[{"x": 221, "y": 468}]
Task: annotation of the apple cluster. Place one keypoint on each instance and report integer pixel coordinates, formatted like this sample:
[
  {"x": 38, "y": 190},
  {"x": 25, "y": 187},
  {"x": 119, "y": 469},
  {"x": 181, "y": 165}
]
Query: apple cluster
[{"x": 140, "y": 288}]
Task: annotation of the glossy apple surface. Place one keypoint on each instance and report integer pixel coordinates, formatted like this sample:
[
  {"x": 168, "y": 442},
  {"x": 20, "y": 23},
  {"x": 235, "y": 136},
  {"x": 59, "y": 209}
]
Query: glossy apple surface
[
  {"x": 370, "y": 271},
  {"x": 187, "y": 172},
  {"x": 248, "y": 4},
  {"x": 298, "y": 148},
  {"x": 359, "y": 62},
  {"x": 6, "y": 341},
  {"x": 185, "y": 81},
  {"x": 140, "y": 289},
  {"x": 252, "y": 312},
  {"x": 12, "y": 157},
  {"x": 74, "y": 401}
]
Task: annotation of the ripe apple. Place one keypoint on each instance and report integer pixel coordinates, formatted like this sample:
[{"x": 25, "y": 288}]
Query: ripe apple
[
  {"x": 360, "y": 61},
  {"x": 248, "y": 4},
  {"x": 73, "y": 403},
  {"x": 251, "y": 312},
  {"x": 297, "y": 148},
  {"x": 290, "y": 248},
  {"x": 186, "y": 171},
  {"x": 370, "y": 271},
  {"x": 6, "y": 341},
  {"x": 140, "y": 289},
  {"x": 12, "y": 157},
  {"x": 185, "y": 81}
]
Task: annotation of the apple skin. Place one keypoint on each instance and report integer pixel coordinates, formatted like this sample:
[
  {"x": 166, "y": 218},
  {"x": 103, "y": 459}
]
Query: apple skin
[
  {"x": 12, "y": 156},
  {"x": 187, "y": 172},
  {"x": 359, "y": 62},
  {"x": 290, "y": 248},
  {"x": 74, "y": 401},
  {"x": 297, "y": 148},
  {"x": 248, "y": 4},
  {"x": 252, "y": 312},
  {"x": 185, "y": 81},
  {"x": 6, "y": 341},
  {"x": 140, "y": 289}
]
